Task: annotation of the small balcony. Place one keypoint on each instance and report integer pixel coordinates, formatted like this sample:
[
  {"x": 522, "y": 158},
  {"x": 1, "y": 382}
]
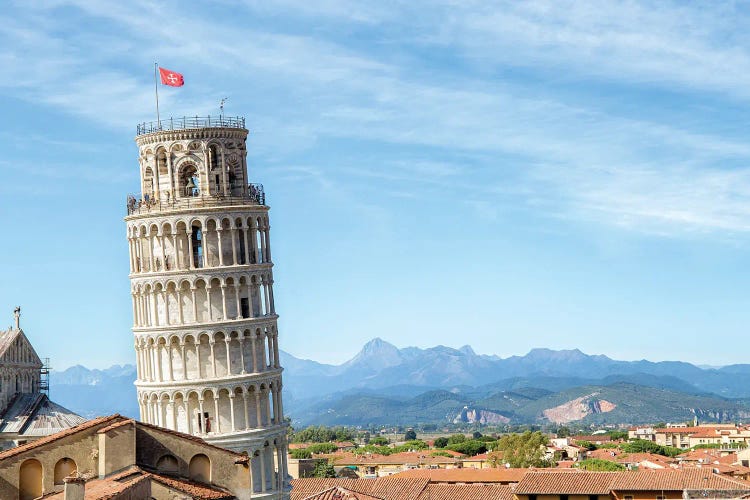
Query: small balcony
[
  {"x": 191, "y": 122},
  {"x": 147, "y": 204}
]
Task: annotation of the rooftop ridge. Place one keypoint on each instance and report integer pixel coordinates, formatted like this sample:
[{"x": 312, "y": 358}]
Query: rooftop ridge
[{"x": 59, "y": 435}]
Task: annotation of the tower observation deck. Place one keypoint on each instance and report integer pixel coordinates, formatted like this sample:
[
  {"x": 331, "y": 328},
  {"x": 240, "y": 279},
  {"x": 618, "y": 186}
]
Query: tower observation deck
[{"x": 201, "y": 275}]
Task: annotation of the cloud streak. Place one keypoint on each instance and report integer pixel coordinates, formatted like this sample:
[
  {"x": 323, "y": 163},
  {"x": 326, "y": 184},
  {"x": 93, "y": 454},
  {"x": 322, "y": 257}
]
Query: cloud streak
[{"x": 528, "y": 141}]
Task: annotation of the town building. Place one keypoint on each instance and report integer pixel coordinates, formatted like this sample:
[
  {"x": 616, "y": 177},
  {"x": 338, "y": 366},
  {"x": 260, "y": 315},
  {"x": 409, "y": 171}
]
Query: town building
[
  {"x": 374, "y": 465},
  {"x": 396, "y": 488},
  {"x": 26, "y": 413},
  {"x": 116, "y": 458},
  {"x": 533, "y": 484},
  {"x": 204, "y": 318},
  {"x": 641, "y": 485}
]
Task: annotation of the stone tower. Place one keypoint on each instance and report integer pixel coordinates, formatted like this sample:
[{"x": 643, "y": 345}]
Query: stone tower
[{"x": 201, "y": 279}]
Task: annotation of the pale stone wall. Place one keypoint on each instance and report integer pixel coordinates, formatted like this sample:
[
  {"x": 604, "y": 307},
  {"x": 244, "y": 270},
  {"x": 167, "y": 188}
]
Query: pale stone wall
[
  {"x": 154, "y": 444},
  {"x": 83, "y": 450},
  {"x": 116, "y": 449}
]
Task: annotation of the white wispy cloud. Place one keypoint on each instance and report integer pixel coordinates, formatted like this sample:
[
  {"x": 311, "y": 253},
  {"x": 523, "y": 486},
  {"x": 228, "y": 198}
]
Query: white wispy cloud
[{"x": 585, "y": 161}]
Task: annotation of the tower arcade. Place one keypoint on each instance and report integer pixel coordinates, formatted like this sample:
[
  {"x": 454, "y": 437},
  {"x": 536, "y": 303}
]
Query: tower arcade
[{"x": 204, "y": 319}]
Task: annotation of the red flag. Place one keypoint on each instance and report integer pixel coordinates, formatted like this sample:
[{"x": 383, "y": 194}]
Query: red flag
[{"x": 171, "y": 78}]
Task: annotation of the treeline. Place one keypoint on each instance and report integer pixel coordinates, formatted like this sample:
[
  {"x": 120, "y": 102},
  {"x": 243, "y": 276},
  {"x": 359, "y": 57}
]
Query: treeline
[{"x": 322, "y": 434}]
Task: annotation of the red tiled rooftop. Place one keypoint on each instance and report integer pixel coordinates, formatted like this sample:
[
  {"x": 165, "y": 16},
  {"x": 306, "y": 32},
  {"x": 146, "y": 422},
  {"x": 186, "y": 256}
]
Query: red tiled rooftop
[
  {"x": 339, "y": 493},
  {"x": 388, "y": 488},
  {"x": 500, "y": 475},
  {"x": 601, "y": 483},
  {"x": 466, "y": 492},
  {"x": 395, "y": 488}
]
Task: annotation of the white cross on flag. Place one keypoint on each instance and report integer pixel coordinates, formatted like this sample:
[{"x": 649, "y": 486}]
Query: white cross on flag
[{"x": 171, "y": 78}]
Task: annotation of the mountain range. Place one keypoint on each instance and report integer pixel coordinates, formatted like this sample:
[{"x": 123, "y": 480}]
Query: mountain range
[{"x": 383, "y": 384}]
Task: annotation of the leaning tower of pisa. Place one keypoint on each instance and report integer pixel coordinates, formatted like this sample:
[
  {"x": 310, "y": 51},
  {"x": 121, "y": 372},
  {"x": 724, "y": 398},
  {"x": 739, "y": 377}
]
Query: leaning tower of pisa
[{"x": 201, "y": 279}]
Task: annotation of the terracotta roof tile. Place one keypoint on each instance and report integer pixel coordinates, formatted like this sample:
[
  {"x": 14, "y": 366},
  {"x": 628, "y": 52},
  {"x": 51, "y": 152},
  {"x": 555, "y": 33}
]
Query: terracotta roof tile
[
  {"x": 388, "y": 488},
  {"x": 500, "y": 475},
  {"x": 116, "y": 485},
  {"x": 104, "y": 489},
  {"x": 394, "y": 488},
  {"x": 196, "y": 491},
  {"x": 684, "y": 479},
  {"x": 466, "y": 492},
  {"x": 116, "y": 425},
  {"x": 600, "y": 483},
  {"x": 570, "y": 483},
  {"x": 634, "y": 458},
  {"x": 340, "y": 493}
]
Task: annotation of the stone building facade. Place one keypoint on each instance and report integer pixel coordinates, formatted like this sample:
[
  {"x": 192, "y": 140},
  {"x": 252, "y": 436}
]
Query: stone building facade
[
  {"x": 26, "y": 413},
  {"x": 116, "y": 458},
  {"x": 201, "y": 277}
]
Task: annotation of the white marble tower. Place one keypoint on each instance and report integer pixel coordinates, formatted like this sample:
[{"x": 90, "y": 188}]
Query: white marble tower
[{"x": 202, "y": 285}]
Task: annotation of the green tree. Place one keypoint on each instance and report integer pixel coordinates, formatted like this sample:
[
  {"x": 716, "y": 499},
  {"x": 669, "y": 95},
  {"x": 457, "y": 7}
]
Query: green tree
[
  {"x": 643, "y": 446},
  {"x": 410, "y": 435},
  {"x": 379, "y": 441},
  {"x": 524, "y": 450},
  {"x": 469, "y": 447},
  {"x": 441, "y": 442},
  {"x": 563, "y": 432},
  {"x": 597, "y": 464},
  {"x": 300, "y": 453},
  {"x": 618, "y": 435},
  {"x": 586, "y": 444},
  {"x": 456, "y": 438},
  {"x": 476, "y": 435},
  {"x": 323, "y": 469},
  {"x": 322, "y": 448},
  {"x": 441, "y": 454},
  {"x": 413, "y": 445}
]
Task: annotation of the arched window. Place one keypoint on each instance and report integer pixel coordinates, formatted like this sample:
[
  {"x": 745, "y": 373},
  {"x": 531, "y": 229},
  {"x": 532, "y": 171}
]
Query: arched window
[
  {"x": 148, "y": 183},
  {"x": 63, "y": 468},
  {"x": 200, "y": 468},
  {"x": 213, "y": 157},
  {"x": 189, "y": 181},
  {"x": 197, "y": 241},
  {"x": 30, "y": 480},
  {"x": 161, "y": 162},
  {"x": 168, "y": 464}
]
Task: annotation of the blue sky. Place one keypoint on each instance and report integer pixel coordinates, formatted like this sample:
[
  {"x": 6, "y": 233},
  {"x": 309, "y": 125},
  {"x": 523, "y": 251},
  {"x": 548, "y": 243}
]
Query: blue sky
[{"x": 508, "y": 175}]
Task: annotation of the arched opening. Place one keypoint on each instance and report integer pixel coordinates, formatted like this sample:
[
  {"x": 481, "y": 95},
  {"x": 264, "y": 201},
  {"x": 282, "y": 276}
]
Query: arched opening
[
  {"x": 215, "y": 170},
  {"x": 148, "y": 184},
  {"x": 161, "y": 162},
  {"x": 189, "y": 181},
  {"x": 197, "y": 241},
  {"x": 200, "y": 468},
  {"x": 168, "y": 465},
  {"x": 64, "y": 468},
  {"x": 30, "y": 480}
]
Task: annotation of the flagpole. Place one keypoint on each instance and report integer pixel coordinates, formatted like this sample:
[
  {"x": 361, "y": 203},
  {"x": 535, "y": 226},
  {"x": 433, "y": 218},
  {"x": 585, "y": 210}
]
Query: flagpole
[{"x": 156, "y": 89}]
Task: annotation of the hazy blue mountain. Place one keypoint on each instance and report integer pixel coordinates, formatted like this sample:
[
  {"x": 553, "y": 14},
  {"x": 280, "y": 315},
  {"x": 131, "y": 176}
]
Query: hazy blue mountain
[
  {"x": 383, "y": 372},
  {"x": 92, "y": 393}
]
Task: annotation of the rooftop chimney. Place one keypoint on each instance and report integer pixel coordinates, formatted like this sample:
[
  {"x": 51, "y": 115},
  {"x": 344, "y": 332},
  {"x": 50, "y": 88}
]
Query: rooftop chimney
[{"x": 75, "y": 487}]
